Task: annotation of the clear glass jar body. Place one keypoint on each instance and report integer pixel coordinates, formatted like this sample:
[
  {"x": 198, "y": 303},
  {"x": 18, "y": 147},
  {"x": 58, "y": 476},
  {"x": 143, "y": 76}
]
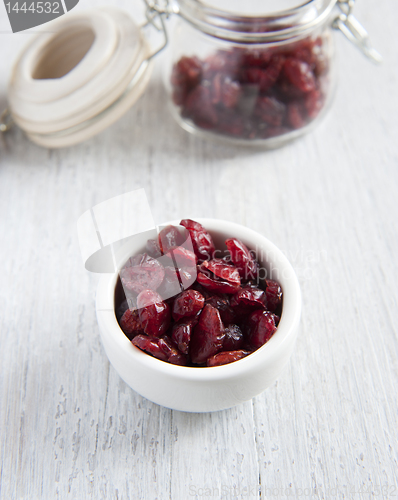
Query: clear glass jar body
[{"x": 261, "y": 94}]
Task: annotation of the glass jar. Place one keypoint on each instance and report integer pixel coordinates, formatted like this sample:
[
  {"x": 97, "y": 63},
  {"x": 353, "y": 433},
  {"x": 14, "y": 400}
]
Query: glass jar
[
  {"x": 235, "y": 73},
  {"x": 252, "y": 77}
]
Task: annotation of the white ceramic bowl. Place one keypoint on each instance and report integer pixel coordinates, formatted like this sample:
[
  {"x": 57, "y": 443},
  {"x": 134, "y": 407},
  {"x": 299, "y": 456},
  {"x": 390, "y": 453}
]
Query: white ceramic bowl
[{"x": 206, "y": 389}]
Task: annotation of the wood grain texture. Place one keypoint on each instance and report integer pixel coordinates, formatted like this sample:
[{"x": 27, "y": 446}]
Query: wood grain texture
[{"x": 72, "y": 429}]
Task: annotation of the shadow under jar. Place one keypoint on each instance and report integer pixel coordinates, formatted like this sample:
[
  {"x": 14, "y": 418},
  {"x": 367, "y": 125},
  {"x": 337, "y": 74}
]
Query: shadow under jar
[{"x": 253, "y": 78}]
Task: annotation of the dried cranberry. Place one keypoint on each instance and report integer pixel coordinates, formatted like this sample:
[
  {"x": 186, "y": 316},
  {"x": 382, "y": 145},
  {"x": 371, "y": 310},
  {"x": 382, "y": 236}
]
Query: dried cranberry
[
  {"x": 130, "y": 323},
  {"x": 299, "y": 73},
  {"x": 223, "y": 270},
  {"x": 242, "y": 258},
  {"x": 153, "y": 249},
  {"x": 247, "y": 299},
  {"x": 171, "y": 285},
  {"x": 233, "y": 339},
  {"x": 170, "y": 350},
  {"x": 202, "y": 241},
  {"x": 273, "y": 293},
  {"x": 261, "y": 325},
  {"x": 215, "y": 284},
  {"x": 223, "y": 358},
  {"x": 183, "y": 257},
  {"x": 169, "y": 237},
  {"x": 271, "y": 110},
  {"x": 295, "y": 115},
  {"x": 142, "y": 272},
  {"x": 182, "y": 331},
  {"x": 199, "y": 108},
  {"x": 222, "y": 304},
  {"x": 208, "y": 335},
  {"x": 313, "y": 103},
  {"x": 151, "y": 346},
  {"x": 187, "y": 304},
  {"x": 186, "y": 74},
  {"x": 153, "y": 312}
]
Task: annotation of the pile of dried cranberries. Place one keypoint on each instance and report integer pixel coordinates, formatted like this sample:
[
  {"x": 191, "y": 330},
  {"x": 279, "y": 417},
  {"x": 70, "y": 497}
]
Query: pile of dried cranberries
[
  {"x": 253, "y": 93},
  {"x": 192, "y": 308}
]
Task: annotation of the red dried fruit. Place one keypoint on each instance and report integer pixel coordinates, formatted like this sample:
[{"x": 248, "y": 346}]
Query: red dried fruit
[
  {"x": 273, "y": 294},
  {"x": 169, "y": 237},
  {"x": 199, "y": 108},
  {"x": 213, "y": 320},
  {"x": 222, "y": 304},
  {"x": 260, "y": 326},
  {"x": 223, "y": 270},
  {"x": 142, "y": 272},
  {"x": 215, "y": 284},
  {"x": 154, "y": 313},
  {"x": 182, "y": 331},
  {"x": 242, "y": 258},
  {"x": 233, "y": 339},
  {"x": 223, "y": 358},
  {"x": 203, "y": 244},
  {"x": 187, "y": 304},
  {"x": 186, "y": 74},
  {"x": 245, "y": 92},
  {"x": 299, "y": 74},
  {"x": 171, "y": 285},
  {"x": 170, "y": 350},
  {"x": 295, "y": 115},
  {"x": 150, "y": 346},
  {"x": 153, "y": 249},
  {"x": 270, "y": 110},
  {"x": 247, "y": 299},
  {"x": 208, "y": 335},
  {"x": 130, "y": 323}
]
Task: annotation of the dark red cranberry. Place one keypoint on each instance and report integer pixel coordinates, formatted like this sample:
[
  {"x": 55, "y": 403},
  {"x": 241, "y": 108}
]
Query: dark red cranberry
[
  {"x": 130, "y": 323},
  {"x": 223, "y": 358},
  {"x": 230, "y": 92},
  {"x": 183, "y": 257},
  {"x": 247, "y": 299},
  {"x": 169, "y": 237},
  {"x": 171, "y": 285},
  {"x": 222, "y": 304},
  {"x": 260, "y": 327},
  {"x": 299, "y": 74},
  {"x": 182, "y": 331},
  {"x": 142, "y": 272},
  {"x": 273, "y": 293},
  {"x": 154, "y": 313},
  {"x": 173, "y": 355},
  {"x": 271, "y": 111},
  {"x": 151, "y": 346},
  {"x": 187, "y": 304},
  {"x": 313, "y": 103},
  {"x": 202, "y": 241},
  {"x": 215, "y": 284},
  {"x": 233, "y": 339},
  {"x": 186, "y": 74},
  {"x": 242, "y": 258},
  {"x": 199, "y": 108},
  {"x": 295, "y": 115},
  {"x": 222, "y": 269},
  {"x": 153, "y": 249},
  {"x": 208, "y": 335}
]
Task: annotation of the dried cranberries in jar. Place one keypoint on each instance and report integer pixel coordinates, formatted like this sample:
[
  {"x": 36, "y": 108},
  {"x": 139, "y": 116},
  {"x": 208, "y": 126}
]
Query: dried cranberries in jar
[
  {"x": 199, "y": 307},
  {"x": 255, "y": 93}
]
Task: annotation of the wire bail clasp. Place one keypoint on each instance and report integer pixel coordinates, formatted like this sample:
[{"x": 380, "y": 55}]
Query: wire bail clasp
[
  {"x": 353, "y": 30},
  {"x": 155, "y": 15}
]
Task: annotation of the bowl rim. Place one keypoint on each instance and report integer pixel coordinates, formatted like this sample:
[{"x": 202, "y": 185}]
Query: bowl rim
[{"x": 285, "y": 333}]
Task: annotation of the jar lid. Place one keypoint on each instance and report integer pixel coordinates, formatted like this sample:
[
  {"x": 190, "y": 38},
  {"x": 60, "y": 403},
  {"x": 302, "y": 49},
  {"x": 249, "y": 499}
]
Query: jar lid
[
  {"x": 255, "y": 21},
  {"x": 75, "y": 81}
]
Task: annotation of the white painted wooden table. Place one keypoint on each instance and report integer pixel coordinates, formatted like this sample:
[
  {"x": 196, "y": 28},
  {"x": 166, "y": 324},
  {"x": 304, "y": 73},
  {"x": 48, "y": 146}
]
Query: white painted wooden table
[{"x": 70, "y": 428}]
